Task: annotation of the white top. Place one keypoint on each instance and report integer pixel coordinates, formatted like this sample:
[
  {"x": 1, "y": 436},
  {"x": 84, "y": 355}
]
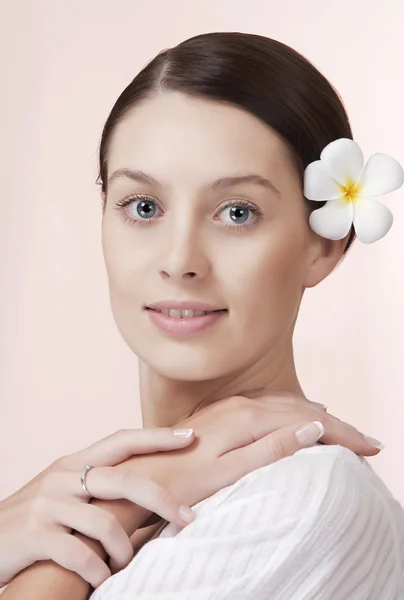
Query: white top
[{"x": 318, "y": 525}]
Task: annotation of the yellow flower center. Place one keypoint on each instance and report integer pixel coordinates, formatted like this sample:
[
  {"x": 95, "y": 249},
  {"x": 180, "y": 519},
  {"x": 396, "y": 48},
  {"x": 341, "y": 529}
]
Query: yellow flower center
[{"x": 350, "y": 191}]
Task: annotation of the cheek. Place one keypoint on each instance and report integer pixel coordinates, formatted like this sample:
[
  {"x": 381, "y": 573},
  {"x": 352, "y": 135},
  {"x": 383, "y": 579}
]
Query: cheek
[
  {"x": 123, "y": 262},
  {"x": 124, "y": 269},
  {"x": 285, "y": 262},
  {"x": 270, "y": 283}
]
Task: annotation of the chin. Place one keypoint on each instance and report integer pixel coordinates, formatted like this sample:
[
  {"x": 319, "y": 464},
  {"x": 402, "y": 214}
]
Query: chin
[{"x": 187, "y": 365}]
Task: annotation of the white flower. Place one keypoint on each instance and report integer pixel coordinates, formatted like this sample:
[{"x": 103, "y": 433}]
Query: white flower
[{"x": 349, "y": 187}]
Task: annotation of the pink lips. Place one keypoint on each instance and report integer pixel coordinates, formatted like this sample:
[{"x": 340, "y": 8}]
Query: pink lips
[
  {"x": 187, "y": 325},
  {"x": 177, "y": 325}
]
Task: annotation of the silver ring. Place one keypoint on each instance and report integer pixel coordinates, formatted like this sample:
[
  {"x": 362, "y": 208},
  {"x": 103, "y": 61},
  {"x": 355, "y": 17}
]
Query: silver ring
[{"x": 84, "y": 472}]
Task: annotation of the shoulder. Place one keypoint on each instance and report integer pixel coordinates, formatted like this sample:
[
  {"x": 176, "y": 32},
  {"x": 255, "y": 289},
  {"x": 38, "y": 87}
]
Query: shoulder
[
  {"x": 327, "y": 474},
  {"x": 321, "y": 480},
  {"x": 322, "y": 513},
  {"x": 324, "y": 493},
  {"x": 315, "y": 525},
  {"x": 324, "y": 467}
]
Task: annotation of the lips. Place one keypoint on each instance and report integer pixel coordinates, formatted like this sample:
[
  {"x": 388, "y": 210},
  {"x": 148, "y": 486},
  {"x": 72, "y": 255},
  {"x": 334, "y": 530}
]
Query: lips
[{"x": 190, "y": 324}]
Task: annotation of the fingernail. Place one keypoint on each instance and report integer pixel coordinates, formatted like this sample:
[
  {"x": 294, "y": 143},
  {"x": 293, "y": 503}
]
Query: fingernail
[
  {"x": 374, "y": 442},
  {"x": 186, "y": 514},
  {"x": 183, "y": 432},
  {"x": 310, "y": 433}
]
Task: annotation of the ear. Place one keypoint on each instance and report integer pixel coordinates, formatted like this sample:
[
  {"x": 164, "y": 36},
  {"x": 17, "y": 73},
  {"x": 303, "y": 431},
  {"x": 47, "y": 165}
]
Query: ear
[{"x": 323, "y": 257}]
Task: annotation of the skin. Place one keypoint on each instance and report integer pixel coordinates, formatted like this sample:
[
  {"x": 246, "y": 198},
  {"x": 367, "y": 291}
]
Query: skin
[{"x": 257, "y": 269}]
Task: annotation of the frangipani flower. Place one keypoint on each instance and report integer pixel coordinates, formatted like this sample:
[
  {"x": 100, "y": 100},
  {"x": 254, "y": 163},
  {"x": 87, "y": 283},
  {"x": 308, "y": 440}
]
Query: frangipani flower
[{"x": 349, "y": 188}]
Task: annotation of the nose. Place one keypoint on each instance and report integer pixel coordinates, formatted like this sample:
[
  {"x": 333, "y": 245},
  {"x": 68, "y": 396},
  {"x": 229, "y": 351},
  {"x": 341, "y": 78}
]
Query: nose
[{"x": 184, "y": 256}]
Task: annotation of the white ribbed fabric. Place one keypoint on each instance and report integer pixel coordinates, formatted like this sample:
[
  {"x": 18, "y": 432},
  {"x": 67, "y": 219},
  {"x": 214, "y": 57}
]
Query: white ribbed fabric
[{"x": 318, "y": 525}]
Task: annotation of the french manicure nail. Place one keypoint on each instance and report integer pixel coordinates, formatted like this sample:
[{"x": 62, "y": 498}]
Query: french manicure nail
[
  {"x": 186, "y": 514},
  {"x": 183, "y": 432},
  {"x": 373, "y": 442},
  {"x": 310, "y": 433}
]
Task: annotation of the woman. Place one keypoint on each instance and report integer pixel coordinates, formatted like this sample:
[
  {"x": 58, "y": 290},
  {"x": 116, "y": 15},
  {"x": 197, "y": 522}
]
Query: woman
[{"x": 208, "y": 248}]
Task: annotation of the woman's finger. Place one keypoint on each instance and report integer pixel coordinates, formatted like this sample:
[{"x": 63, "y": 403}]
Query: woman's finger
[
  {"x": 122, "y": 444},
  {"x": 72, "y": 554},
  {"x": 336, "y": 432},
  {"x": 270, "y": 448},
  {"x": 341, "y": 433},
  {"x": 115, "y": 483},
  {"x": 97, "y": 524},
  {"x": 287, "y": 440}
]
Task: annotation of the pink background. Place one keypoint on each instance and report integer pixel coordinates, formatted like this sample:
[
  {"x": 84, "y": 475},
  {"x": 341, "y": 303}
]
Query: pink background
[{"x": 66, "y": 377}]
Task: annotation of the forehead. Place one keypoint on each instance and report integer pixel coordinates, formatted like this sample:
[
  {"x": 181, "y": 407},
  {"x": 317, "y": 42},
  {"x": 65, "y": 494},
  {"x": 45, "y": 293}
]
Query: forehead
[{"x": 171, "y": 134}]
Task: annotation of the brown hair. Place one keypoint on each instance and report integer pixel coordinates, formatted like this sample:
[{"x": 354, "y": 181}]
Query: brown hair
[{"x": 260, "y": 75}]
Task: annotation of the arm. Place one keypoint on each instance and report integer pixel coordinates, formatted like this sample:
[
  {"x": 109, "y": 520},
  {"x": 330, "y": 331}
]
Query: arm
[{"x": 47, "y": 580}]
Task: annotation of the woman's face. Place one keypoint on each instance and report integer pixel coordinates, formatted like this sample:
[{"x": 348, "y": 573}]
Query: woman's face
[{"x": 181, "y": 241}]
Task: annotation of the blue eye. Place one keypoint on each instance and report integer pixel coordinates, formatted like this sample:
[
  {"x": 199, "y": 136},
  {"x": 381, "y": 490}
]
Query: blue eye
[
  {"x": 146, "y": 209},
  {"x": 239, "y": 214},
  {"x": 142, "y": 210}
]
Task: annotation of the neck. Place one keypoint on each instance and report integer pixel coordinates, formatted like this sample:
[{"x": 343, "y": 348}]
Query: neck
[{"x": 165, "y": 402}]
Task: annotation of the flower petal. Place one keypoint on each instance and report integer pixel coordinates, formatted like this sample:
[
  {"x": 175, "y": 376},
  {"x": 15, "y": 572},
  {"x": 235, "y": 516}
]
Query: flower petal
[
  {"x": 382, "y": 174},
  {"x": 318, "y": 184},
  {"x": 334, "y": 220},
  {"x": 372, "y": 220},
  {"x": 343, "y": 159}
]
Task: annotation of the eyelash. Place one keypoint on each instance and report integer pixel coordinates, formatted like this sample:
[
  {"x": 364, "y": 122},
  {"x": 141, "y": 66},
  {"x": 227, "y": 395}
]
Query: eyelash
[{"x": 122, "y": 204}]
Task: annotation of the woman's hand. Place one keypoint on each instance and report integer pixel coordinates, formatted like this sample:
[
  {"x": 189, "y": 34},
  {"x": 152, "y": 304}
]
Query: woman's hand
[
  {"x": 36, "y": 522},
  {"x": 237, "y": 435}
]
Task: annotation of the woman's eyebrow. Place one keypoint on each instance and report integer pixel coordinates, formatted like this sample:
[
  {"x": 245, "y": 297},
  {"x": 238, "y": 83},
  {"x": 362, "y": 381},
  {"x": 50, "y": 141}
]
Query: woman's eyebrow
[{"x": 223, "y": 182}]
